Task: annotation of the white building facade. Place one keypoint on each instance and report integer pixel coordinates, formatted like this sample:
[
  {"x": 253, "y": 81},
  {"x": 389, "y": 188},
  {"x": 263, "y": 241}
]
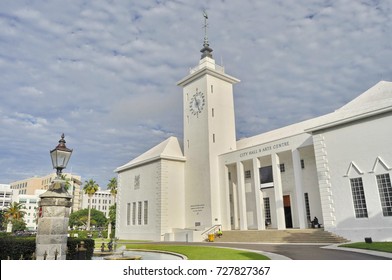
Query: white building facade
[
  {"x": 335, "y": 167},
  {"x": 100, "y": 200}
]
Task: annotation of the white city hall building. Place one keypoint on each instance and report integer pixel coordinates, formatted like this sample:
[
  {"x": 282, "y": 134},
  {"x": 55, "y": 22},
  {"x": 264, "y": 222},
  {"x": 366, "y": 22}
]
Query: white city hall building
[{"x": 336, "y": 167}]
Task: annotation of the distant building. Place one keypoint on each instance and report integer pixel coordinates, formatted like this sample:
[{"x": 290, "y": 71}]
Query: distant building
[
  {"x": 101, "y": 200},
  {"x": 30, "y": 185},
  {"x": 30, "y": 202},
  {"x": 6, "y": 196}
]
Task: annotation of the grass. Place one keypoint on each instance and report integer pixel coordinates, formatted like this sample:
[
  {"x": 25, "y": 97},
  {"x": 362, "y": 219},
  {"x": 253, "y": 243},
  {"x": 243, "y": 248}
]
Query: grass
[
  {"x": 376, "y": 246},
  {"x": 201, "y": 252}
]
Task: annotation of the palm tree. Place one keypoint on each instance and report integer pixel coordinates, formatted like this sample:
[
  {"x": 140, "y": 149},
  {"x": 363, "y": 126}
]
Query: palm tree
[
  {"x": 90, "y": 188},
  {"x": 67, "y": 181},
  {"x": 14, "y": 213},
  {"x": 112, "y": 186}
]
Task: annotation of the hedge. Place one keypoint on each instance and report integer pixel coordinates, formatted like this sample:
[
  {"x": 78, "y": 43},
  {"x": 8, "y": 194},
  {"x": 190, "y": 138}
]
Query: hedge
[{"x": 23, "y": 248}]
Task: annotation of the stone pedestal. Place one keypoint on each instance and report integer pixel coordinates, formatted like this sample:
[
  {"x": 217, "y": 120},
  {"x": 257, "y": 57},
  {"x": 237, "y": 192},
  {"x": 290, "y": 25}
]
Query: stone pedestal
[{"x": 53, "y": 217}]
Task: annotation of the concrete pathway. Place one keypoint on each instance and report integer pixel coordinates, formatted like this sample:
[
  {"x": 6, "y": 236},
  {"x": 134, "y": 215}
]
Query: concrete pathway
[
  {"x": 310, "y": 251},
  {"x": 299, "y": 251}
]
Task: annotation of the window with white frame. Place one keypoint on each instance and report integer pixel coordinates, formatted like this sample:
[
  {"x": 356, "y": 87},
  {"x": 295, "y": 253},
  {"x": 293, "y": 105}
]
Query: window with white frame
[
  {"x": 282, "y": 167},
  {"x": 307, "y": 207},
  {"x": 267, "y": 210},
  {"x": 145, "y": 214},
  {"x": 248, "y": 174},
  {"x": 139, "y": 213},
  {"x": 133, "y": 213},
  {"x": 359, "y": 200},
  {"x": 385, "y": 190},
  {"x": 128, "y": 214}
]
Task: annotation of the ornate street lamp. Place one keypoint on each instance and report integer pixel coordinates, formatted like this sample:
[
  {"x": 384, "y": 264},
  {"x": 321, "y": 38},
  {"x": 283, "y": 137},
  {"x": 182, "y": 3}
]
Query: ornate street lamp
[
  {"x": 54, "y": 208},
  {"x": 60, "y": 156}
]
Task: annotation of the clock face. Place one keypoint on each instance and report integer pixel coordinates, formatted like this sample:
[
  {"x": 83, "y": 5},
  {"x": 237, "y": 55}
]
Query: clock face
[{"x": 197, "y": 103}]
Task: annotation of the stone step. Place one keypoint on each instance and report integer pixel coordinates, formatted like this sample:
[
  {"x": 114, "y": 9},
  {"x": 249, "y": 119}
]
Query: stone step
[{"x": 282, "y": 236}]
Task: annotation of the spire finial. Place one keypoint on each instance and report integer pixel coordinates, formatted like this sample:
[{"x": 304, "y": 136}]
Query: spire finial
[{"x": 206, "y": 50}]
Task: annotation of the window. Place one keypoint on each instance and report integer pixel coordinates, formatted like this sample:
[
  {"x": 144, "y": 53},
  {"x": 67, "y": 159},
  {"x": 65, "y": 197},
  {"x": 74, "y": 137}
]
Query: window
[
  {"x": 212, "y": 89},
  {"x": 128, "y": 214},
  {"x": 213, "y": 138},
  {"x": 267, "y": 210},
  {"x": 139, "y": 213},
  {"x": 385, "y": 190},
  {"x": 307, "y": 207},
  {"x": 302, "y": 164},
  {"x": 133, "y": 213},
  {"x": 145, "y": 212},
  {"x": 248, "y": 175},
  {"x": 229, "y": 176},
  {"x": 212, "y": 112},
  {"x": 282, "y": 167},
  {"x": 266, "y": 175},
  {"x": 358, "y": 198}
]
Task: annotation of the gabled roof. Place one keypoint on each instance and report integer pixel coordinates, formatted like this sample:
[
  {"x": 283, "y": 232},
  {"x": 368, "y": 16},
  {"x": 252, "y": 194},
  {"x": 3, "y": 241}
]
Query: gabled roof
[
  {"x": 376, "y": 96},
  {"x": 376, "y": 100},
  {"x": 169, "y": 149}
]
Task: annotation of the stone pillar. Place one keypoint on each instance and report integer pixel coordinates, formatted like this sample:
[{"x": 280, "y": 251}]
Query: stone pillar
[{"x": 52, "y": 230}]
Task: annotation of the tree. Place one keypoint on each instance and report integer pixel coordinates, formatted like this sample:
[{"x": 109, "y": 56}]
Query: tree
[
  {"x": 67, "y": 181},
  {"x": 79, "y": 218},
  {"x": 112, "y": 186},
  {"x": 90, "y": 188},
  {"x": 14, "y": 214},
  {"x": 14, "y": 211}
]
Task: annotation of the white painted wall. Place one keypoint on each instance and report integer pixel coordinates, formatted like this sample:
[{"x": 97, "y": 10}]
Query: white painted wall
[
  {"x": 359, "y": 143},
  {"x": 161, "y": 184}
]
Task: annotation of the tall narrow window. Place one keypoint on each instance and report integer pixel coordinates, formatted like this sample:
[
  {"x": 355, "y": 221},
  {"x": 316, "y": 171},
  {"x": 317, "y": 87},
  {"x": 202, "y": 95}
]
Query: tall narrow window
[
  {"x": 359, "y": 198},
  {"x": 128, "y": 214},
  {"x": 385, "y": 190},
  {"x": 145, "y": 214},
  {"x": 302, "y": 164},
  {"x": 212, "y": 89},
  {"x": 133, "y": 213},
  {"x": 212, "y": 112},
  {"x": 139, "y": 213},
  {"x": 267, "y": 210},
  {"x": 307, "y": 208},
  {"x": 213, "y": 138},
  {"x": 282, "y": 167}
]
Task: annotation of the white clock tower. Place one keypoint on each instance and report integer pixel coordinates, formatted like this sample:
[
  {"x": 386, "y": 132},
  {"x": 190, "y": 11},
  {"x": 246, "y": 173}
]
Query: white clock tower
[{"x": 209, "y": 130}]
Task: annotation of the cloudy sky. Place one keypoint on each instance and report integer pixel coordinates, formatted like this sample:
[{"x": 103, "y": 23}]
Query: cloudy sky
[{"x": 104, "y": 72}]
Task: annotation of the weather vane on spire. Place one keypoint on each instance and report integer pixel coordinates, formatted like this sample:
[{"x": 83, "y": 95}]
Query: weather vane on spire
[
  {"x": 205, "y": 26},
  {"x": 206, "y": 50}
]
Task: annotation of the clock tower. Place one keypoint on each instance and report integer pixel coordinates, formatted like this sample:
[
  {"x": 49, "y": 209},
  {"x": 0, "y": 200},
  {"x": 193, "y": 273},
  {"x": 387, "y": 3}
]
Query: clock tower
[{"x": 209, "y": 130}]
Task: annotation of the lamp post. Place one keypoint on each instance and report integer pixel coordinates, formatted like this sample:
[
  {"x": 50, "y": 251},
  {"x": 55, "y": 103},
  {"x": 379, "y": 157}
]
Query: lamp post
[
  {"x": 54, "y": 208},
  {"x": 60, "y": 156}
]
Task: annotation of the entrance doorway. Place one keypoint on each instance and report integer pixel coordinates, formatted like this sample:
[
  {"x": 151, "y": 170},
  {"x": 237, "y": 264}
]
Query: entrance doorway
[{"x": 287, "y": 211}]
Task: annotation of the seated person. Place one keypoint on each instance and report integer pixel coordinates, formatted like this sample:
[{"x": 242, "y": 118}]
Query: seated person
[
  {"x": 315, "y": 223},
  {"x": 219, "y": 233}
]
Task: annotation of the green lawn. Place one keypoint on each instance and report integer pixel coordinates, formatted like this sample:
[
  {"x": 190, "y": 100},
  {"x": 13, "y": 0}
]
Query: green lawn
[
  {"x": 201, "y": 252},
  {"x": 376, "y": 246}
]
